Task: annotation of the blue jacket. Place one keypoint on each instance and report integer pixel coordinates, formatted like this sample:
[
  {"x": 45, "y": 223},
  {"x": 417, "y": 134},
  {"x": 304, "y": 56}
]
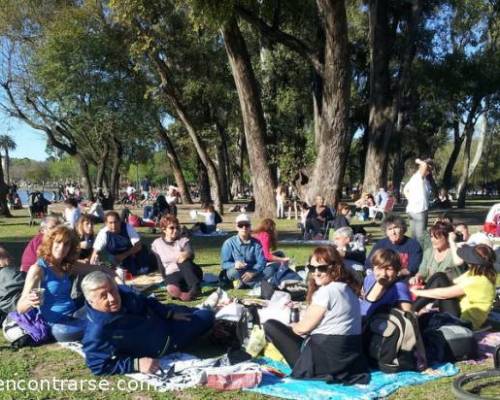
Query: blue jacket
[
  {"x": 114, "y": 342},
  {"x": 251, "y": 253}
]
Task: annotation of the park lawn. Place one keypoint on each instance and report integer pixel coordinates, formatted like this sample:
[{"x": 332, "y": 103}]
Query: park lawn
[{"x": 51, "y": 361}]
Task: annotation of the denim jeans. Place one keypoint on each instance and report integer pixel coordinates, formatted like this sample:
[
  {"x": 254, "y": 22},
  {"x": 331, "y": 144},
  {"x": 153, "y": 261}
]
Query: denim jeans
[
  {"x": 68, "y": 329},
  {"x": 148, "y": 212},
  {"x": 184, "y": 333},
  {"x": 270, "y": 269},
  {"x": 418, "y": 225}
]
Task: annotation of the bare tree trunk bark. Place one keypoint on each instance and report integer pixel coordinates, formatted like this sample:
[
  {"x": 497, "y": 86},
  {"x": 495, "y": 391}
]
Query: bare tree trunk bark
[
  {"x": 480, "y": 146},
  {"x": 84, "y": 170},
  {"x": 253, "y": 119},
  {"x": 203, "y": 183},
  {"x": 101, "y": 165},
  {"x": 333, "y": 124},
  {"x": 223, "y": 159},
  {"x": 464, "y": 178},
  {"x": 4, "y": 209},
  {"x": 380, "y": 122},
  {"x": 115, "y": 170},
  {"x": 180, "y": 181},
  {"x": 457, "y": 146},
  {"x": 169, "y": 91}
]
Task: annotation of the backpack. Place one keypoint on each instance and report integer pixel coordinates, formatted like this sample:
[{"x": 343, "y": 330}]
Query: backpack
[
  {"x": 28, "y": 329},
  {"x": 447, "y": 338},
  {"x": 393, "y": 341}
]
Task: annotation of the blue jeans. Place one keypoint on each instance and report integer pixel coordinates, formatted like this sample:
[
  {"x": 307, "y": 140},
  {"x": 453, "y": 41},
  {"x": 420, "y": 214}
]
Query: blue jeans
[
  {"x": 418, "y": 225},
  {"x": 148, "y": 212},
  {"x": 68, "y": 329},
  {"x": 184, "y": 333},
  {"x": 234, "y": 274}
]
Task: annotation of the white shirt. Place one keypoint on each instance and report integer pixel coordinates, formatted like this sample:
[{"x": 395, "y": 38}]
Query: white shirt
[
  {"x": 343, "y": 312},
  {"x": 130, "y": 190},
  {"x": 209, "y": 217},
  {"x": 418, "y": 189},
  {"x": 100, "y": 240},
  {"x": 71, "y": 215}
]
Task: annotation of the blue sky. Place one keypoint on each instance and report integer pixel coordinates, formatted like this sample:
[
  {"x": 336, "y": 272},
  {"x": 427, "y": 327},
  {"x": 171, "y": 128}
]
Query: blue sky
[{"x": 30, "y": 143}]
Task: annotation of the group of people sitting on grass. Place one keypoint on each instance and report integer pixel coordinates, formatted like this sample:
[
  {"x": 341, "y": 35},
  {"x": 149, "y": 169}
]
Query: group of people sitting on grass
[{"x": 123, "y": 331}]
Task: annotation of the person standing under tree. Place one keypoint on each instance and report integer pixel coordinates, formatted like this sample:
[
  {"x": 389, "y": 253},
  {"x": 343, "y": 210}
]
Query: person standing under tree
[{"x": 417, "y": 192}]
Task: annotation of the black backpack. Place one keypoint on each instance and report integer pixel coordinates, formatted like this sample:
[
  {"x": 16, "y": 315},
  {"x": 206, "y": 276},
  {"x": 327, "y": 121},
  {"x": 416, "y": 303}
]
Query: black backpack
[
  {"x": 393, "y": 341},
  {"x": 447, "y": 338}
]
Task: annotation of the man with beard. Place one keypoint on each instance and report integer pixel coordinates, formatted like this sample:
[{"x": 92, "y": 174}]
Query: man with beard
[{"x": 382, "y": 289}]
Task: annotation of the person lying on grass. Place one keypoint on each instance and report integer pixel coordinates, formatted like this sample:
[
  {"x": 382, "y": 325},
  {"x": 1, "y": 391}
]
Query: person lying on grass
[{"x": 128, "y": 332}]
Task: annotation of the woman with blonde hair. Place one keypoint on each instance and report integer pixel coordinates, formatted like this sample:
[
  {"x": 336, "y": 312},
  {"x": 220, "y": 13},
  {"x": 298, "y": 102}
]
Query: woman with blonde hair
[
  {"x": 48, "y": 284},
  {"x": 326, "y": 342}
]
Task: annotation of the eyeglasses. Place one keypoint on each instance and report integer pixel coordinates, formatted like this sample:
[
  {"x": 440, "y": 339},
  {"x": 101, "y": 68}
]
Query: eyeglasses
[
  {"x": 243, "y": 225},
  {"x": 323, "y": 268}
]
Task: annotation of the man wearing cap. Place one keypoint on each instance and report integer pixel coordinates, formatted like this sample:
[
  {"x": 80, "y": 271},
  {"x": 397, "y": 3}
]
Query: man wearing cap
[
  {"x": 417, "y": 192},
  {"x": 242, "y": 257}
]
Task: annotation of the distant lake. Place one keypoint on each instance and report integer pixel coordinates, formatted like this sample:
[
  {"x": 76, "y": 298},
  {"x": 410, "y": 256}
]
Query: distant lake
[{"x": 23, "y": 195}]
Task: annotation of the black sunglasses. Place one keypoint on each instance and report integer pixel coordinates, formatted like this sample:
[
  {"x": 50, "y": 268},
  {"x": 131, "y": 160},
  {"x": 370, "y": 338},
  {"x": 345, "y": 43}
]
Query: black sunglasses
[
  {"x": 320, "y": 268},
  {"x": 243, "y": 225}
]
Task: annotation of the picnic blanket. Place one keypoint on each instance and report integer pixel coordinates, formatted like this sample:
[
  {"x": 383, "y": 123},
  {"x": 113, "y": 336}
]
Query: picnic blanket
[
  {"x": 179, "y": 370},
  {"x": 486, "y": 343},
  {"x": 381, "y": 385}
]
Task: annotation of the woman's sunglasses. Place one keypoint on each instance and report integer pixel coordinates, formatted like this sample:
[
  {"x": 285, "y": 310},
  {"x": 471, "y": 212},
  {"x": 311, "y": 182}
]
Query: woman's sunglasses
[{"x": 320, "y": 268}]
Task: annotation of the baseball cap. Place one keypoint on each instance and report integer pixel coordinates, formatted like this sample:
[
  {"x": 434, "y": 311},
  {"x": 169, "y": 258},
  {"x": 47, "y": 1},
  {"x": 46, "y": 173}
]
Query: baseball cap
[{"x": 242, "y": 218}]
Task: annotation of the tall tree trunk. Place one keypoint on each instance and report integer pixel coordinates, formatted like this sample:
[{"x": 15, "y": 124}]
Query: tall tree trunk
[
  {"x": 380, "y": 122},
  {"x": 480, "y": 146},
  {"x": 84, "y": 170},
  {"x": 457, "y": 146},
  {"x": 223, "y": 159},
  {"x": 115, "y": 169},
  {"x": 169, "y": 91},
  {"x": 101, "y": 165},
  {"x": 253, "y": 119},
  {"x": 203, "y": 183},
  {"x": 7, "y": 166},
  {"x": 4, "y": 209},
  {"x": 239, "y": 164},
  {"x": 180, "y": 181},
  {"x": 464, "y": 178},
  {"x": 333, "y": 124}
]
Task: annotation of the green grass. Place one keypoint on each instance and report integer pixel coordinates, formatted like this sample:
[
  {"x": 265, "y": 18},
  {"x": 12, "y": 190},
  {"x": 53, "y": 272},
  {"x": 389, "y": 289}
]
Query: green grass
[{"x": 51, "y": 361}]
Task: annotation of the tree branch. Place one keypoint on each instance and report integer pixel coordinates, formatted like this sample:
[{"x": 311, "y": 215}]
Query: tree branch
[{"x": 273, "y": 33}]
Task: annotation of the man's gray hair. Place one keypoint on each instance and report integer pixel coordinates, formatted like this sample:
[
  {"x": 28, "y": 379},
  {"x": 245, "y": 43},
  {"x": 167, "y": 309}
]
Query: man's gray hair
[
  {"x": 345, "y": 231},
  {"x": 45, "y": 220},
  {"x": 94, "y": 280}
]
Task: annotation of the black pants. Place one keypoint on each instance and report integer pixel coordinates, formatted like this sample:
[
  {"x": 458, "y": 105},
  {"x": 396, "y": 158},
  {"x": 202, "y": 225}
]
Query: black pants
[
  {"x": 285, "y": 339},
  {"x": 188, "y": 277},
  {"x": 314, "y": 226},
  {"x": 439, "y": 280}
]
